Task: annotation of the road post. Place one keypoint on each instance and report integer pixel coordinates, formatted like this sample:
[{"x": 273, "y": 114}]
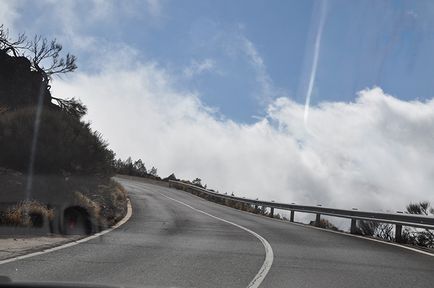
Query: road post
[
  {"x": 398, "y": 233},
  {"x": 317, "y": 220}
]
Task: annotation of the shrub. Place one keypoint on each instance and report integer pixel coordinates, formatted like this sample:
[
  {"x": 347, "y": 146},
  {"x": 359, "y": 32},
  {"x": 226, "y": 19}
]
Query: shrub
[
  {"x": 326, "y": 224},
  {"x": 417, "y": 236},
  {"x": 64, "y": 143},
  {"x": 116, "y": 207},
  {"x": 366, "y": 228},
  {"x": 106, "y": 202},
  {"x": 27, "y": 213}
]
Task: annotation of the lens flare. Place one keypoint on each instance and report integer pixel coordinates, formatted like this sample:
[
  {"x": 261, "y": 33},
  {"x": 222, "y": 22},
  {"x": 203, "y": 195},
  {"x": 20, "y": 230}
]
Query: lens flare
[{"x": 313, "y": 69}]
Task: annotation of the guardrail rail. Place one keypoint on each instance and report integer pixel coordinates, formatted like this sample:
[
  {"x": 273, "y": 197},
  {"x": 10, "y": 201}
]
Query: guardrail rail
[{"x": 399, "y": 219}]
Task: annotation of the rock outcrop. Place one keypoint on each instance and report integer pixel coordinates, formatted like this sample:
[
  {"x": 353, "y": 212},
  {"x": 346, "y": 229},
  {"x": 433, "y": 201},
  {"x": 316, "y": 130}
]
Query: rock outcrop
[{"x": 20, "y": 86}]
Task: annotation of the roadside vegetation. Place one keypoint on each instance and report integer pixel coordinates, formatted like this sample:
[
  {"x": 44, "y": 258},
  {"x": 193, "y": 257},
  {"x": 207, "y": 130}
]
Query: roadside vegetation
[
  {"x": 27, "y": 213},
  {"x": 135, "y": 168},
  {"x": 49, "y": 154},
  {"x": 412, "y": 236}
]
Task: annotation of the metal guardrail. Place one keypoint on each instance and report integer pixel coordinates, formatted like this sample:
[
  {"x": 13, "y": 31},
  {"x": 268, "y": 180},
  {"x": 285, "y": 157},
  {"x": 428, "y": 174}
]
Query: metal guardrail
[{"x": 399, "y": 219}]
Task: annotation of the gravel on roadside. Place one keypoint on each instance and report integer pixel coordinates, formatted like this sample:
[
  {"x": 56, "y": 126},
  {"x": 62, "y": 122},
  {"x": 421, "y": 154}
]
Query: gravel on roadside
[{"x": 16, "y": 246}]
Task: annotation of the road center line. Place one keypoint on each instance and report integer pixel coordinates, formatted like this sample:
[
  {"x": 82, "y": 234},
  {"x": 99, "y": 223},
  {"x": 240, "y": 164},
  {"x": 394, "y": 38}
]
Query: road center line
[{"x": 269, "y": 256}]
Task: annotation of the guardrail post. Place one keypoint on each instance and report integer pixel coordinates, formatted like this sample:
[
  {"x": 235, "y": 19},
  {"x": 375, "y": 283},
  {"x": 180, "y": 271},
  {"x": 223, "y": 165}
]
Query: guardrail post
[
  {"x": 271, "y": 212},
  {"x": 398, "y": 233},
  {"x": 291, "y": 216},
  {"x": 353, "y": 229},
  {"x": 317, "y": 220}
]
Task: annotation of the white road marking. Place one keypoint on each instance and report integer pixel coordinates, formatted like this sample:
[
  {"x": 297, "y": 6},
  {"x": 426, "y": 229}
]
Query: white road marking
[
  {"x": 337, "y": 232},
  {"x": 365, "y": 238},
  {"x": 73, "y": 243},
  {"x": 269, "y": 256}
]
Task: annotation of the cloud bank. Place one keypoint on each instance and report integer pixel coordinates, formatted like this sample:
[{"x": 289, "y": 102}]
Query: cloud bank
[{"x": 374, "y": 153}]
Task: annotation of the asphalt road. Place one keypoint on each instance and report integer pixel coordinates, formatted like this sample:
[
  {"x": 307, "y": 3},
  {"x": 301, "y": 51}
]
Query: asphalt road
[{"x": 167, "y": 243}]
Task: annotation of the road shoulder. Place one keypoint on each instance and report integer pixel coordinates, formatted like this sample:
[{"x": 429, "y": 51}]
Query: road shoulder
[{"x": 12, "y": 247}]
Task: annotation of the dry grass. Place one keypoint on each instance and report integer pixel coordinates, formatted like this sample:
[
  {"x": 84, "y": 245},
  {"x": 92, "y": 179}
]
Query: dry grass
[
  {"x": 326, "y": 224},
  {"x": 104, "y": 200},
  {"x": 107, "y": 205},
  {"x": 92, "y": 207},
  {"x": 21, "y": 214},
  {"x": 118, "y": 202}
]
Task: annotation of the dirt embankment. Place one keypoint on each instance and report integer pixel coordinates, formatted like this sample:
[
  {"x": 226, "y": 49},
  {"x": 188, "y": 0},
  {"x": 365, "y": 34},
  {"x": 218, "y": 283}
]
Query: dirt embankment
[{"x": 103, "y": 199}]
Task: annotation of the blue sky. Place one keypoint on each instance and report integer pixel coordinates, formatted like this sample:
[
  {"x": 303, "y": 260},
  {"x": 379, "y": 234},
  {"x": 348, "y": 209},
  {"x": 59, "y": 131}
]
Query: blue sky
[{"x": 364, "y": 44}]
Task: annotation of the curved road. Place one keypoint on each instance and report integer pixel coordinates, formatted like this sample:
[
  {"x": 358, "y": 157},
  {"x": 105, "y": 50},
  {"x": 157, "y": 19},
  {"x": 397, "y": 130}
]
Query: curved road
[{"x": 167, "y": 243}]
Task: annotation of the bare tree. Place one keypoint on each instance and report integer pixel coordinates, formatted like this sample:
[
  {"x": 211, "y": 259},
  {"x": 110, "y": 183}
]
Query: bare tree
[
  {"x": 366, "y": 228},
  {"x": 45, "y": 57},
  {"x": 384, "y": 231},
  {"x": 71, "y": 106},
  {"x": 15, "y": 46},
  {"x": 375, "y": 229},
  {"x": 421, "y": 208},
  {"x": 415, "y": 236}
]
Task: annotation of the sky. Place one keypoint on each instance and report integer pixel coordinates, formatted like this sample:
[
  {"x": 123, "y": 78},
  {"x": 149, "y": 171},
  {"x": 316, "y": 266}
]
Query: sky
[{"x": 312, "y": 102}]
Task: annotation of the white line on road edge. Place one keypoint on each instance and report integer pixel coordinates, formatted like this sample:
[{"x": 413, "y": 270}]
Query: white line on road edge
[
  {"x": 269, "y": 256},
  {"x": 73, "y": 243},
  {"x": 366, "y": 238}
]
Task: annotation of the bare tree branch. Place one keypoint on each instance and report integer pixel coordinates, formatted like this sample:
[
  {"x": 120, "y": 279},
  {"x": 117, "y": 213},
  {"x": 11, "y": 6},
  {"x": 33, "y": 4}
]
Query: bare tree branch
[
  {"x": 8, "y": 44},
  {"x": 46, "y": 57}
]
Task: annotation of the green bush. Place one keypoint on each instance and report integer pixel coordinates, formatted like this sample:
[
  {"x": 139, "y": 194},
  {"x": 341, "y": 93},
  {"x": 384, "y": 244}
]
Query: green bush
[{"x": 64, "y": 143}]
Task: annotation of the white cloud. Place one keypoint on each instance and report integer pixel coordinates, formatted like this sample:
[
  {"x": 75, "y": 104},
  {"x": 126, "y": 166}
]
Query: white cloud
[
  {"x": 8, "y": 13},
  {"x": 268, "y": 92},
  {"x": 235, "y": 47},
  {"x": 80, "y": 24},
  {"x": 102, "y": 10},
  {"x": 199, "y": 67},
  {"x": 374, "y": 153}
]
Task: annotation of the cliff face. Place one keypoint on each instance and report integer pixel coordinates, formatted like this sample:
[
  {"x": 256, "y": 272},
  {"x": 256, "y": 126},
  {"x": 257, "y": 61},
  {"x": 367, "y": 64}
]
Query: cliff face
[{"x": 19, "y": 85}]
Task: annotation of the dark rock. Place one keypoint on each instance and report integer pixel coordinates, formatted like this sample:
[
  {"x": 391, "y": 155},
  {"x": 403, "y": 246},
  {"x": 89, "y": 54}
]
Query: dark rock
[{"x": 20, "y": 86}]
